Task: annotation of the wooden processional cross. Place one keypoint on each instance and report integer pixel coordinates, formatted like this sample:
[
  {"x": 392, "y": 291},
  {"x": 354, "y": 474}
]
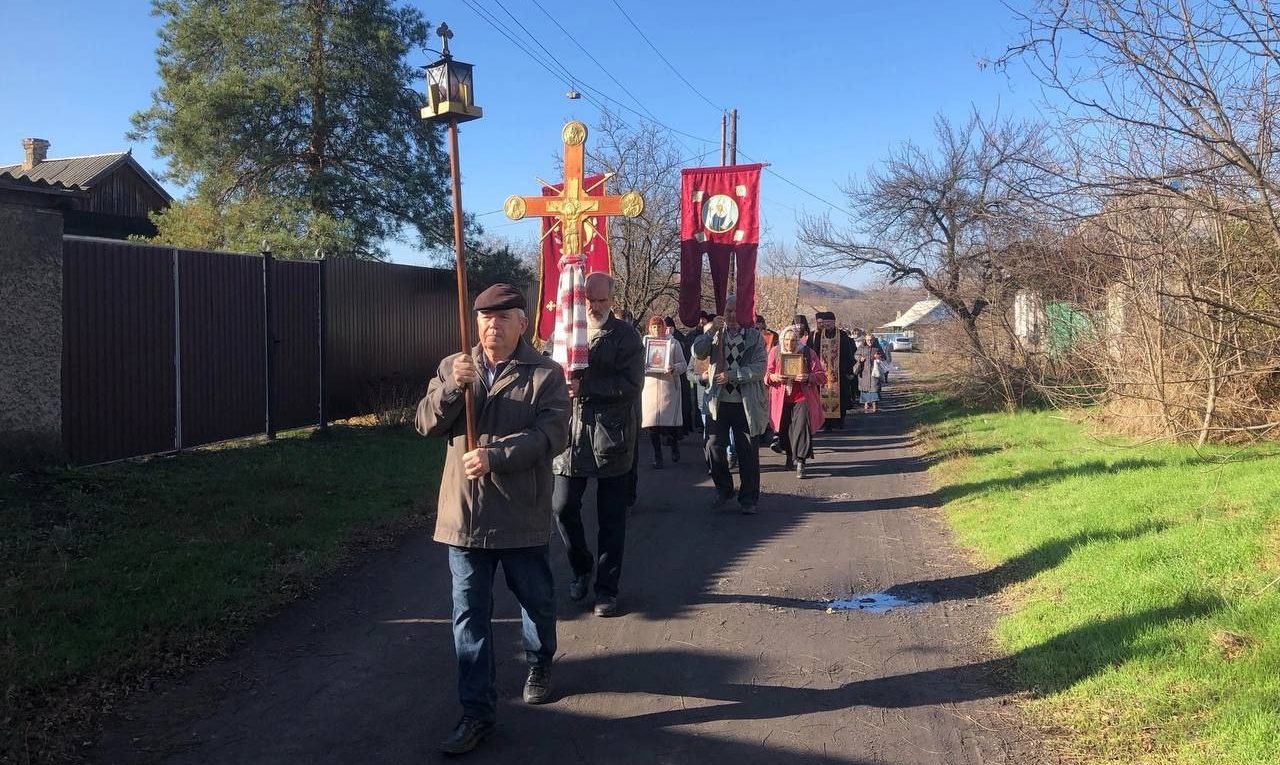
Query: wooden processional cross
[{"x": 574, "y": 206}]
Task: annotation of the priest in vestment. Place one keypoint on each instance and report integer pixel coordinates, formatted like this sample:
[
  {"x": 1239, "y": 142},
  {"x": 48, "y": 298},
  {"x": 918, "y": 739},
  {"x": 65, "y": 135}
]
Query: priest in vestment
[{"x": 836, "y": 350}]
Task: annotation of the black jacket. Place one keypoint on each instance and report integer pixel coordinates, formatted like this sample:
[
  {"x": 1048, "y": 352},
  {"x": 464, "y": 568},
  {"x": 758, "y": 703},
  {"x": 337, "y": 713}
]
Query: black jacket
[{"x": 604, "y": 418}]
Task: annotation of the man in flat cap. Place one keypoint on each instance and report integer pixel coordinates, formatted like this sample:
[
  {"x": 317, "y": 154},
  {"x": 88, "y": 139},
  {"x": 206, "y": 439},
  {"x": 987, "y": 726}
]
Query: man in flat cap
[
  {"x": 836, "y": 349},
  {"x": 603, "y": 434},
  {"x": 495, "y": 501}
]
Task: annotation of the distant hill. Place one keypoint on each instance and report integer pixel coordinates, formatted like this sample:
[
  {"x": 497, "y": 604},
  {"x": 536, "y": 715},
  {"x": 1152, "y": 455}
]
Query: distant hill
[{"x": 822, "y": 293}]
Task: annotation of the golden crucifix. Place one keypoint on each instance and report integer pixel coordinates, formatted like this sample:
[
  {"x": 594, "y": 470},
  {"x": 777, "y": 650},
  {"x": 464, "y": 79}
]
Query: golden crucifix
[{"x": 574, "y": 205}]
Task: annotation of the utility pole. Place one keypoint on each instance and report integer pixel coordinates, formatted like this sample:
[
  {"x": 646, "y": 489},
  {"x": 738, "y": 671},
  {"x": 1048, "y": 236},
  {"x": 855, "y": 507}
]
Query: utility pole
[
  {"x": 723, "y": 133},
  {"x": 733, "y": 136}
]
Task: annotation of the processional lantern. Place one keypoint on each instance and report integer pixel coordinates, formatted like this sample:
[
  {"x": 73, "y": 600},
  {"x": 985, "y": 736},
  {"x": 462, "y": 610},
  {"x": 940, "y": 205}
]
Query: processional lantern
[
  {"x": 450, "y": 100},
  {"x": 449, "y": 87}
]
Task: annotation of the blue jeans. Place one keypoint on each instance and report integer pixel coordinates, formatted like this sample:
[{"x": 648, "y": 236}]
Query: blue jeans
[{"x": 528, "y": 574}]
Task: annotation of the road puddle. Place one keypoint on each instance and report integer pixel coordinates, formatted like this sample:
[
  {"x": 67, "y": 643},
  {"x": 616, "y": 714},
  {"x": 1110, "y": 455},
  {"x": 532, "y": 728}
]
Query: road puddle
[{"x": 874, "y": 603}]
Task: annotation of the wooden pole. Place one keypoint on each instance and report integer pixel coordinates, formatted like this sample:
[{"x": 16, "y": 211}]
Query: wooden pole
[
  {"x": 733, "y": 136},
  {"x": 723, "y": 133},
  {"x": 460, "y": 271},
  {"x": 733, "y": 160}
]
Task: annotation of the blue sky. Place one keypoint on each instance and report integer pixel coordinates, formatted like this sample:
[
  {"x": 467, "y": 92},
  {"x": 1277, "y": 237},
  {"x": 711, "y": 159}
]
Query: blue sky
[{"x": 823, "y": 89}]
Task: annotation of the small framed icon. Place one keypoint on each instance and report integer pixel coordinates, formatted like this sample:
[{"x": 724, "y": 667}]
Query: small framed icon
[
  {"x": 656, "y": 355},
  {"x": 792, "y": 365}
]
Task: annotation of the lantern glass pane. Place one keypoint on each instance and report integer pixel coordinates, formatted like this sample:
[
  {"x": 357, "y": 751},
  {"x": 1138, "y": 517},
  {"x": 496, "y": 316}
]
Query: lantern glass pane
[
  {"x": 464, "y": 85},
  {"x": 437, "y": 88}
]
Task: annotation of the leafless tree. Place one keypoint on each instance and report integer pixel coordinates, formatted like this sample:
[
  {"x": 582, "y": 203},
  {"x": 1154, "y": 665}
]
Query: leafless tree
[
  {"x": 646, "y": 249},
  {"x": 1171, "y": 106},
  {"x": 1176, "y": 100},
  {"x": 953, "y": 219}
]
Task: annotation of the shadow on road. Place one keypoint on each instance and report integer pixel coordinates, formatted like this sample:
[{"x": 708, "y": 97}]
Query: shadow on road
[
  {"x": 1017, "y": 569},
  {"x": 695, "y": 675}
]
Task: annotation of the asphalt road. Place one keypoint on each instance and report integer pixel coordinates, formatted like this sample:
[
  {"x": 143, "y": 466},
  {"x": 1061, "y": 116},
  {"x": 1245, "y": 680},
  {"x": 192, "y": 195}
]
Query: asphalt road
[{"x": 725, "y": 652}]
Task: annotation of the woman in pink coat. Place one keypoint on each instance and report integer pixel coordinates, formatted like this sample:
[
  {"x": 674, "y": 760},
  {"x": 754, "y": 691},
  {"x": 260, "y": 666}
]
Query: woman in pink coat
[{"x": 795, "y": 403}]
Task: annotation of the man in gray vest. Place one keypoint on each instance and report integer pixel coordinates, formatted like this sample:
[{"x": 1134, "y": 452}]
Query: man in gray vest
[{"x": 735, "y": 404}]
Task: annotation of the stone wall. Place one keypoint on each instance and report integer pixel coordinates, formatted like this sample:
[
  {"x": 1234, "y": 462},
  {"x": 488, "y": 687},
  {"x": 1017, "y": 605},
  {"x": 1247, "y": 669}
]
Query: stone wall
[{"x": 30, "y": 333}]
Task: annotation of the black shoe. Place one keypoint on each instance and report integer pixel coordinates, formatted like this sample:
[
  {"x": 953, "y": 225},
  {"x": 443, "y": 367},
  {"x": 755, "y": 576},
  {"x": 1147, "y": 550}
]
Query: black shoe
[
  {"x": 606, "y": 605},
  {"x": 675, "y": 452},
  {"x": 657, "y": 464},
  {"x": 721, "y": 500},
  {"x": 578, "y": 587},
  {"x": 467, "y": 735},
  {"x": 537, "y": 686},
  {"x": 791, "y": 465},
  {"x": 776, "y": 445},
  {"x": 748, "y": 509}
]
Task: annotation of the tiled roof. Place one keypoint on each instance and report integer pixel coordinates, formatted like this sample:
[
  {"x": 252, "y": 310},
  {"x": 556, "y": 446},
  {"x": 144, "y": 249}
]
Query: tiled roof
[{"x": 78, "y": 172}]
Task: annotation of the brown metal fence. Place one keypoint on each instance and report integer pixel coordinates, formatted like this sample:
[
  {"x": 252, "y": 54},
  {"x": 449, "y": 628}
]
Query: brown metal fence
[
  {"x": 166, "y": 348},
  {"x": 386, "y": 332}
]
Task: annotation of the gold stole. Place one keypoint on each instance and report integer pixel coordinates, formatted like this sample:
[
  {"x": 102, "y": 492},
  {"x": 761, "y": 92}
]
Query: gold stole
[{"x": 830, "y": 355}]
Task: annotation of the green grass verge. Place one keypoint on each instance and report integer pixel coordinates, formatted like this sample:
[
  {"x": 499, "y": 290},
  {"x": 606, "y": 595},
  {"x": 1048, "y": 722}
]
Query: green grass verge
[
  {"x": 1145, "y": 612},
  {"x": 110, "y": 574}
]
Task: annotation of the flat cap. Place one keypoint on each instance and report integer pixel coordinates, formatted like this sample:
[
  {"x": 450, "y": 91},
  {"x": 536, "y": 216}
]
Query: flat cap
[
  {"x": 828, "y": 315},
  {"x": 500, "y": 297}
]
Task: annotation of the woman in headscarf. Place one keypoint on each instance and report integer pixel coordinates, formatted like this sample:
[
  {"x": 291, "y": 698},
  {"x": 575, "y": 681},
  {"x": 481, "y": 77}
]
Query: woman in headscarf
[
  {"x": 661, "y": 408},
  {"x": 868, "y": 363},
  {"x": 795, "y": 403}
]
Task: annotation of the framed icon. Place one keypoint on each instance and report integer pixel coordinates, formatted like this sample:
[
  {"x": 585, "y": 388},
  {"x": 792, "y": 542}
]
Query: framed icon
[
  {"x": 656, "y": 355},
  {"x": 792, "y": 365}
]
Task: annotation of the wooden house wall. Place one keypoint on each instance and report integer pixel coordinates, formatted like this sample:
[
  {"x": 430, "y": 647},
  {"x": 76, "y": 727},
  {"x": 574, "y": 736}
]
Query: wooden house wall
[{"x": 123, "y": 193}]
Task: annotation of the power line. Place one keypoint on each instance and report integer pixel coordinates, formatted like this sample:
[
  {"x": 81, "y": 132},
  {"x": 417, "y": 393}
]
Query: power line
[
  {"x": 792, "y": 183},
  {"x": 536, "y": 41},
  {"x": 567, "y": 77},
  {"x": 573, "y": 80},
  {"x": 569, "y": 80},
  {"x": 510, "y": 34},
  {"x": 595, "y": 61},
  {"x": 664, "y": 58}
]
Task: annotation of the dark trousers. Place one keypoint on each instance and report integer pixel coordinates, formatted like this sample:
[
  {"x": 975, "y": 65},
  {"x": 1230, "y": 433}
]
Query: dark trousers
[
  {"x": 671, "y": 434},
  {"x": 528, "y": 574},
  {"x": 732, "y": 419},
  {"x": 611, "y": 517},
  {"x": 797, "y": 440}
]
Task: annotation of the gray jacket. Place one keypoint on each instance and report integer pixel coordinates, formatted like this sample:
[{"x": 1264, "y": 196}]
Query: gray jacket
[
  {"x": 605, "y": 417},
  {"x": 750, "y": 377}
]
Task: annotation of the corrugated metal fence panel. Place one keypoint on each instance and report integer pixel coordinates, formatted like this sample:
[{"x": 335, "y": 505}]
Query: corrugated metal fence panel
[
  {"x": 118, "y": 350},
  {"x": 223, "y": 365},
  {"x": 388, "y": 327},
  {"x": 296, "y": 304}
]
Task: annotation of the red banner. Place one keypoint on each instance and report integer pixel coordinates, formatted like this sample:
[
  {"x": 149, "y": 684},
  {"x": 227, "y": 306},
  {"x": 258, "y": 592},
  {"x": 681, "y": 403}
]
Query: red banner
[
  {"x": 596, "y": 248},
  {"x": 719, "y": 217}
]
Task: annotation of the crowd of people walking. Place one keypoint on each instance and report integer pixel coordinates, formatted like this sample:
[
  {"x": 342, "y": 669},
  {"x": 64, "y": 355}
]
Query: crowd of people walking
[{"x": 539, "y": 438}]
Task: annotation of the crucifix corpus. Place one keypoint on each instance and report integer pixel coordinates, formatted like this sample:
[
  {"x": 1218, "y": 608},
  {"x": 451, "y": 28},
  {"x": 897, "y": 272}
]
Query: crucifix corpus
[{"x": 572, "y": 207}]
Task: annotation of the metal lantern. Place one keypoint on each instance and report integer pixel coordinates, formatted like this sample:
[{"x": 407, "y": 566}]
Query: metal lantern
[{"x": 449, "y": 91}]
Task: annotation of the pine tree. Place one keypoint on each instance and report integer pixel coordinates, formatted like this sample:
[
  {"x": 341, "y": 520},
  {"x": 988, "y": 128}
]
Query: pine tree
[{"x": 296, "y": 121}]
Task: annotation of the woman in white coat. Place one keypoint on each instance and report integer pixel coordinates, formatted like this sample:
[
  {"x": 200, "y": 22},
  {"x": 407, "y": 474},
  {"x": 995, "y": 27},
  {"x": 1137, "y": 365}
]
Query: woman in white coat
[{"x": 661, "y": 409}]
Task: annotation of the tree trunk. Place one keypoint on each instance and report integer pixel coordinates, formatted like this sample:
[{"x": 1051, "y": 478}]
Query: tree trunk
[{"x": 317, "y": 145}]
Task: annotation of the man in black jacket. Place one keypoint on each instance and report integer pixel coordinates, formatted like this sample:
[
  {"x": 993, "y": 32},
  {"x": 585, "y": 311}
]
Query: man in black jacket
[{"x": 603, "y": 433}]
